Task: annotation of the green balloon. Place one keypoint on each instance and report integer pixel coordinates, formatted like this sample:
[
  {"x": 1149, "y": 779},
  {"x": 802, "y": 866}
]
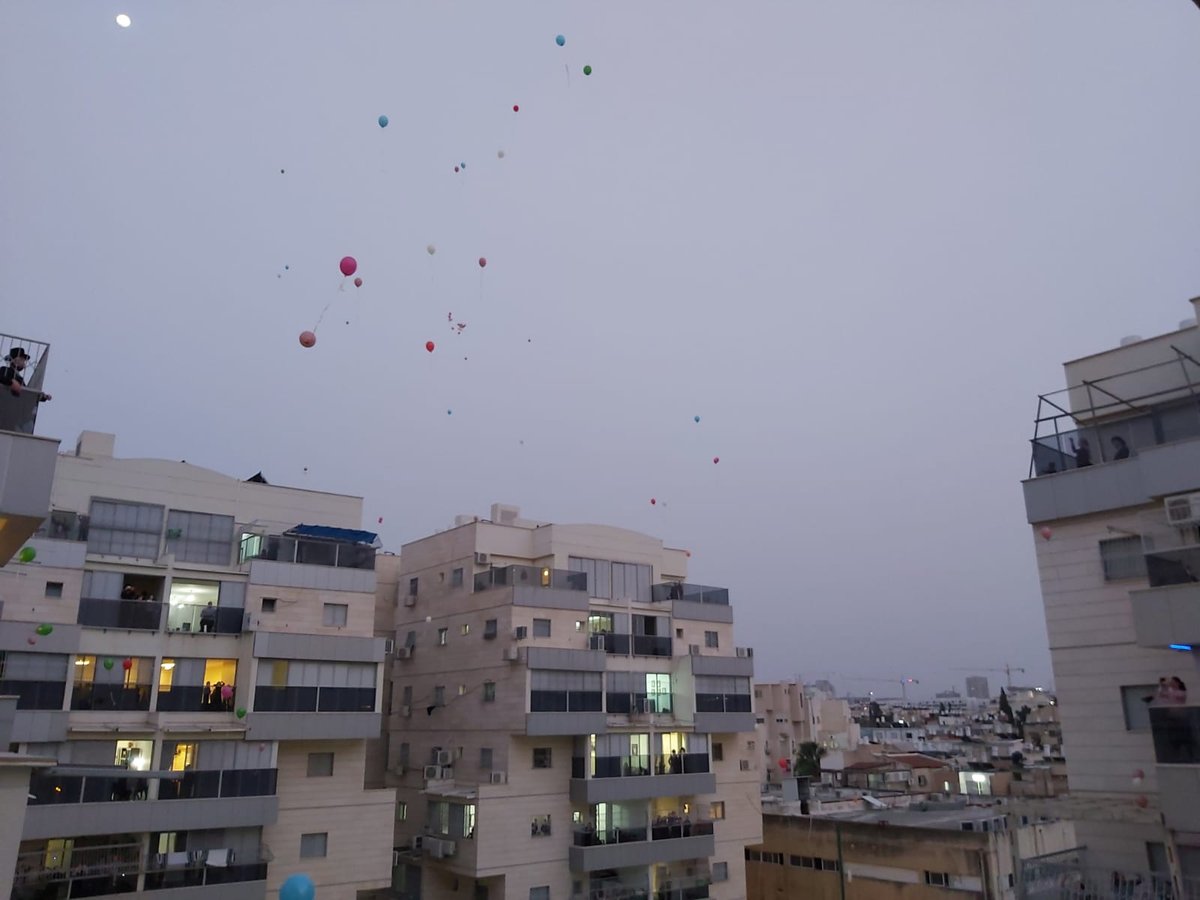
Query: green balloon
[
  {"x": 108, "y": 663},
  {"x": 44, "y": 630},
  {"x": 241, "y": 712},
  {"x": 27, "y": 555},
  {"x": 587, "y": 70}
]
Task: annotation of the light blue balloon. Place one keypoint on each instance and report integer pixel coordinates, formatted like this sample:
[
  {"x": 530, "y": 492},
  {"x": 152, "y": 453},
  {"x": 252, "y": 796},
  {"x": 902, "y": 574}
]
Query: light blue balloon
[
  {"x": 298, "y": 887},
  {"x": 463, "y": 165},
  {"x": 697, "y": 419},
  {"x": 383, "y": 121},
  {"x": 449, "y": 412},
  {"x": 560, "y": 40}
]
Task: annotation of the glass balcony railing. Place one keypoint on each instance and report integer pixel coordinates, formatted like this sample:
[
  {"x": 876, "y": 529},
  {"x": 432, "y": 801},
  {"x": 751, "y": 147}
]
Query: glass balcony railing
[
  {"x": 531, "y": 576},
  {"x": 306, "y": 551},
  {"x": 635, "y": 765},
  {"x": 64, "y": 526},
  {"x": 136, "y": 615},
  {"x": 724, "y": 703},
  {"x": 1176, "y": 731},
  {"x": 631, "y": 703},
  {"x": 625, "y": 644},
  {"x": 60, "y": 787},
  {"x": 313, "y": 699},
  {"x": 689, "y": 593},
  {"x": 661, "y": 830},
  {"x": 35, "y": 694},
  {"x": 79, "y": 872},
  {"x": 194, "y": 698},
  {"x": 128, "y": 697}
]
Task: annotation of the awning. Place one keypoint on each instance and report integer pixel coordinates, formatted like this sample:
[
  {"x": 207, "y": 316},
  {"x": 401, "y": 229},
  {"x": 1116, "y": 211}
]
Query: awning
[{"x": 329, "y": 533}]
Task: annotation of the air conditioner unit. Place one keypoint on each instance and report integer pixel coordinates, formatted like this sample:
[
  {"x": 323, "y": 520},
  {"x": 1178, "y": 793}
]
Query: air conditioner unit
[
  {"x": 406, "y": 711},
  {"x": 405, "y": 653},
  {"x": 521, "y": 632},
  {"x": 410, "y": 600},
  {"x": 445, "y": 757},
  {"x": 432, "y": 773},
  {"x": 693, "y": 649},
  {"x": 483, "y": 559},
  {"x": 417, "y": 841},
  {"x": 389, "y": 646},
  {"x": 1183, "y": 509},
  {"x": 499, "y": 778},
  {"x": 512, "y": 654}
]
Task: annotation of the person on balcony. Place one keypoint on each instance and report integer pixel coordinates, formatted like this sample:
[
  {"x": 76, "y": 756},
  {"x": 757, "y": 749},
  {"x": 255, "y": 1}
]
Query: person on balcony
[
  {"x": 208, "y": 617},
  {"x": 1120, "y": 448},
  {"x": 1083, "y": 453},
  {"x": 10, "y": 374}
]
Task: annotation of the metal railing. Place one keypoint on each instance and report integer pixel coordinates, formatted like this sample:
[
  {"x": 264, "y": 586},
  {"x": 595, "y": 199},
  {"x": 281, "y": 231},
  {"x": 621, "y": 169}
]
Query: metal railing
[
  {"x": 62, "y": 525},
  {"x": 1074, "y": 876},
  {"x": 98, "y": 696},
  {"x": 689, "y": 593}
]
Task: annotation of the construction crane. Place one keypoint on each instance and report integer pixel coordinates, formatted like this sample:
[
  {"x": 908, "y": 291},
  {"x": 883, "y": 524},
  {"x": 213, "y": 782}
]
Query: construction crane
[
  {"x": 903, "y": 682},
  {"x": 1006, "y": 669}
]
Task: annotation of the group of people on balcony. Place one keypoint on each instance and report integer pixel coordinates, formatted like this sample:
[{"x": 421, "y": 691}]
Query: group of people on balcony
[
  {"x": 217, "y": 697},
  {"x": 129, "y": 592}
]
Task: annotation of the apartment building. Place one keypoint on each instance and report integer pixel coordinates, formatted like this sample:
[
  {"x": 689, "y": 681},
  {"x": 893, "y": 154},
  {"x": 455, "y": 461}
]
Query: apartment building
[
  {"x": 1113, "y": 501},
  {"x": 570, "y": 718},
  {"x": 194, "y": 657},
  {"x": 978, "y": 687},
  {"x": 789, "y": 714}
]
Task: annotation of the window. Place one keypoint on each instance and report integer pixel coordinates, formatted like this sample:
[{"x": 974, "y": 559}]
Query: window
[
  {"x": 268, "y": 604},
  {"x": 679, "y": 634},
  {"x": 539, "y": 826},
  {"x": 465, "y": 629},
  {"x": 406, "y": 695},
  {"x": 1123, "y": 558},
  {"x": 710, "y": 639},
  {"x": 539, "y": 893},
  {"x": 54, "y": 588},
  {"x": 413, "y": 584},
  {"x": 830, "y": 865},
  {"x": 125, "y": 529},
  {"x": 485, "y": 758},
  {"x": 716, "y": 810},
  {"x": 489, "y": 691},
  {"x": 939, "y": 879},
  {"x": 967, "y": 826},
  {"x": 439, "y": 695},
  {"x": 541, "y": 757},
  {"x": 489, "y": 629},
  {"x": 718, "y": 752},
  {"x": 462, "y": 690},
  {"x": 200, "y": 537},
  {"x": 468, "y": 826},
  {"x": 744, "y": 765},
  {"x": 320, "y": 765},
  {"x": 410, "y": 639},
  {"x": 314, "y": 845},
  {"x": 334, "y": 614},
  {"x": 541, "y": 628},
  {"x": 443, "y": 636},
  {"x": 775, "y": 858},
  {"x": 753, "y": 855},
  {"x": 720, "y": 871},
  {"x": 1135, "y": 699},
  {"x": 456, "y": 578},
  {"x": 405, "y": 752},
  {"x": 749, "y": 745},
  {"x": 401, "y": 811}
]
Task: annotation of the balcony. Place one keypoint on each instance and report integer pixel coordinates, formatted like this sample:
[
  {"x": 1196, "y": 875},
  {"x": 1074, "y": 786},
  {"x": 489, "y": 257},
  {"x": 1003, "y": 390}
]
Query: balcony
[
  {"x": 724, "y": 713},
  {"x": 27, "y": 465},
  {"x": 98, "y": 696},
  {"x": 682, "y": 888},
  {"x": 46, "y": 695},
  {"x": 625, "y": 644},
  {"x": 313, "y": 699},
  {"x": 313, "y": 545},
  {"x": 640, "y": 846},
  {"x": 640, "y": 777},
  {"x": 134, "y": 615},
  {"x": 63, "y": 525},
  {"x": 194, "y": 698},
  {"x": 530, "y": 576}
]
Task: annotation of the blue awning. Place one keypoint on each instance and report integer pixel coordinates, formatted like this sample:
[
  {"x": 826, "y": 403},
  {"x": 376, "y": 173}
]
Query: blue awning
[{"x": 329, "y": 533}]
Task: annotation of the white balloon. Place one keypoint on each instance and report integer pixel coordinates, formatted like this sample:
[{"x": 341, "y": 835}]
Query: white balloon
[
  {"x": 123, "y": 20},
  {"x": 431, "y": 249}
]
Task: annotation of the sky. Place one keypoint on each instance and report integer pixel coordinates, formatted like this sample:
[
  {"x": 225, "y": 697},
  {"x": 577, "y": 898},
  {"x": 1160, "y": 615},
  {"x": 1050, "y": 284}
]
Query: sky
[{"x": 857, "y": 239}]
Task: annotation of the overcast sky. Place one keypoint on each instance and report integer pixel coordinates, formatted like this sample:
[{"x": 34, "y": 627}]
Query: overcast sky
[{"x": 857, "y": 238}]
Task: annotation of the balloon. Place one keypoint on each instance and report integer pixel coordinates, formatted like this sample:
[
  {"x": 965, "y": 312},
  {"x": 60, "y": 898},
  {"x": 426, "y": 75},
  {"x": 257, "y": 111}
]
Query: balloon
[
  {"x": 560, "y": 40},
  {"x": 241, "y": 712},
  {"x": 449, "y": 412},
  {"x": 358, "y": 282},
  {"x": 348, "y": 265},
  {"x": 783, "y": 764},
  {"x": 483, "y": 262},
  {"x": 499, "y": 154},
  {"x": 127, "y": 664},
  {"x": 716, "y": 459},
  {"x": 431, "y": 249},
  {"x": 27, "y": 555},
  {"x": 108, "y": 663},
  {"x": 383, "y": 120},
  {"x": 429, "y": 345},
  {"x": 456, "y": 168},
  {"x": 123, "y": 20},
  {"x": 653, "y": 501},
  {"x": 226, "y": 691},
  {"x": 1046, "y": 532},
  {"x": 1142, "y": 802},
  {"x": 587, "y": 70},
  {"x": 307, "y": 339},
  {"x": 31, "y": 640},
  {"x": 688, "y": 553},
  {"x": 516, "y": 108},
  {"x": 44, "y": 629},
  {"x": 1138, "y": 776},
  {"x": 696, "y": 419},
  {"x": 463, "y": 165},
  {"x": 298, "y": 887}
]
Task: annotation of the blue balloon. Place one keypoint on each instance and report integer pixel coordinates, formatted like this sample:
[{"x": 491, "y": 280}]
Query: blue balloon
[
  {"x": 298, "y": 887},
  {"x": 560, "y": 40},
  {"x": 697, "y": 418},
  {"x": 463, "y": 165},
  {"x": 383, "y": 120}
]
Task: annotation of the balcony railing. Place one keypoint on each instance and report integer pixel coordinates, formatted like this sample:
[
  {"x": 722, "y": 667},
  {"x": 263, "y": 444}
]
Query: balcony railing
[
  {"x": 35, "y": 694},
  {"x": 313, "y": 699},
  {"x": 138, "y": 615},
  {"x": 64, "y": 526},
  {"x": 307, "y": 551},
  {"x": 196, "y": 785},
  {"x": 1176, "y": 731},
  {"x": 729, "y": 703},
  {"x": 632, "y": 834},
  {"x": 92, "y": 696},
  {"x": 689, "y": 593},
  {"x": 193, "y": 698},
  {"x": 531, "y": 576},
  {"x": 672, "y": 889},
  {"x": 59, "y": 787},
  {"x": 623, "y": 644},
  {"x": 635, "y": 765},
  {"x": 635, "y": 703},
  {"x": 189, "y": 617}
]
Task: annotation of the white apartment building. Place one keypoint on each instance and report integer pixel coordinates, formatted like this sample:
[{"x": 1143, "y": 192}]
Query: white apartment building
[
  {"x": 1113, "y": 500},
  {"x": 196, "y": 677},
  {"x": 788, "y": 714},
  {"x": 569, "y": 719}
]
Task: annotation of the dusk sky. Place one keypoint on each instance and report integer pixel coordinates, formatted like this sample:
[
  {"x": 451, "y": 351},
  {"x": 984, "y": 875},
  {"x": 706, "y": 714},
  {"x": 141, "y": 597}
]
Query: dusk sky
[{"x": 857, "y": 238}]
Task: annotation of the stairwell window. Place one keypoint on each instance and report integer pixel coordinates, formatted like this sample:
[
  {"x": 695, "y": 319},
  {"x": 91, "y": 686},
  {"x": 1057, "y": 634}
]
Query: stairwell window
[
  {"x": 54, "y": 588},
  {"x": 489, "y": 629},
  {"x": 1123, "y": 558},
  {"x": 711, "y": 639},
  {"x": 443, "y": 635},
  {"x": 489, "y": 692},
  {"x": 314, "y": 845},
  {"x": 938, "y": 879},
  {"x": 333, "y": 615},
  {"x": 456, "y": 578},
  {"x": 541, "y": 628},
  {"x": 720, "y": 871}
]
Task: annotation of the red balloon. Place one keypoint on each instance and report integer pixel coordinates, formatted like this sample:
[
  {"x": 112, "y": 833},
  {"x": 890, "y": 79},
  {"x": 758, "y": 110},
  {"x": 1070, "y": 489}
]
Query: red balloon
[
  {"x": 358, "y": 282},
  {"x": 456, "y": 168},
  {"x": 716, "y": 459},
  {"x": 127, "y": 664},
  {"x": 307, "y": 339},
  {"x": 1046, "y": 532},
  {"x": 1142, "y": 802},
  {"x": 482, "y": 262},
  {"x": 516, "y": 108},
  {"x": 783, "y": 764},
  {"x": 653, "y": 501},
  {"x": 348, "y": 265},
  {"x": 429, "y": 345}
]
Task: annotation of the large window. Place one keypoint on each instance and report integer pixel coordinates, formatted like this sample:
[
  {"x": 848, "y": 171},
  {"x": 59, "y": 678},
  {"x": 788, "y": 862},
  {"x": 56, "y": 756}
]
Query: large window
[
  {"x": 722, "y": 693},
  {"x": 557, "y": 691},
  {"x": 38, "y": 680},
  {"x": 308, "y": 686},
  {"x": 112, "y": 683},
  {"x": 638, "y": 692},
  {"x": 200, "y": 537},
  {"x": 1135, "y": 699},
  {"x": 1123, "y": 558},
  {"x": 614, "y": 580},
  {"x": 196, "y": 685},
  {"x": 125, "y": 529}
]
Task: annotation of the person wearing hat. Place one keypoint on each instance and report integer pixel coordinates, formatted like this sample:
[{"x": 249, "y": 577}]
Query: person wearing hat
[{"x": 10, "y": 374}]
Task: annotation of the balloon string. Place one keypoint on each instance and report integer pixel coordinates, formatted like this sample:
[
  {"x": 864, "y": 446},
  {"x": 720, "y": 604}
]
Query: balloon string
[{"x": 567, "y": 69}]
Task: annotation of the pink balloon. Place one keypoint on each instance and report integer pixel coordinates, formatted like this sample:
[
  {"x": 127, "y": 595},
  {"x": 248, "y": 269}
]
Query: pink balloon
[
  {"x": 482, "y": 262},
  {"x": 716, "y": 459},
  {"x": 348, "y": 265},
  {"x": 307, "y": 339},
  {"x": 358, "y": 282},
  {"x": 226, "y": 692},
  {"x": 1046, "y": 533},
  {"x": 653, "y": 501},
  {"x": 31, "y": 641}
]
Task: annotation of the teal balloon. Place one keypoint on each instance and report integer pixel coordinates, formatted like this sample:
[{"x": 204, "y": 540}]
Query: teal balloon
[
  {"x": 463, "y": 165},
  {"x": 697, "y": 418},
  {"x": 27, "y": 555},
  {"x": 298, "y": 887},
  {"x": 383, "y": 121},
  {"x": 560, "y": 40}
]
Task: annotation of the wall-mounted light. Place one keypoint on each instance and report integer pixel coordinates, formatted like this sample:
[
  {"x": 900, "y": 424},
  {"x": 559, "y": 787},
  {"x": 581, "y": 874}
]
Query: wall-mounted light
[{"x": 1186, "y": 648}]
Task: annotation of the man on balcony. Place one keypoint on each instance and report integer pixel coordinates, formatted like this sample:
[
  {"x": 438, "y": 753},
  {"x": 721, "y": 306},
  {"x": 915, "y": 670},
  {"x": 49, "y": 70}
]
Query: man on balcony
[
  {"x": 208, "y": 617},
  {"x": 10, "y": 374}
]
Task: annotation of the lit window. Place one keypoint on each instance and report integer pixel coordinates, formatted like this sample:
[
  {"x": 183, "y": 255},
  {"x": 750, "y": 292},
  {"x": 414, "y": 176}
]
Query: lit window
[
  {"x": 465, "y": 629},
  {"x": 716, "y": 810},
  {"x": 489, "y": 691},
  {"x": 443, "y": 635}
]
